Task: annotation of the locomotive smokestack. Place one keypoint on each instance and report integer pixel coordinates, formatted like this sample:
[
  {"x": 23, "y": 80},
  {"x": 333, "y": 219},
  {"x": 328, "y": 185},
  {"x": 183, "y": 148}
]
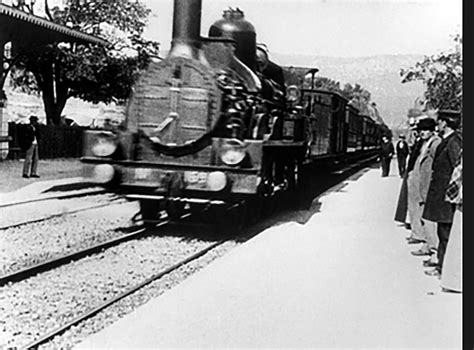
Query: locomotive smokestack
[{"x": 186, "y": 41}]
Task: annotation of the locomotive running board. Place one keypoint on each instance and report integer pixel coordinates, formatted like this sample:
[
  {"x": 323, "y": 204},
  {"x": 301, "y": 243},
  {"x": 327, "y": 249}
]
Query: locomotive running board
[{"x": 180, "y": 199}]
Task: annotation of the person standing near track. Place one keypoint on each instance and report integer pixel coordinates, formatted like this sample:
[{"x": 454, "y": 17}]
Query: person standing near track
[
  {"x": 30, "y": 145},
  {"x": 402, "y": 154},
  {"x": 386, "y": 153},
  {"x": 414, "y": 150},
  {"x": 421, "y": 177},
  {"x": 437, "y": 209},
  {"x": 451, "y": 276}
]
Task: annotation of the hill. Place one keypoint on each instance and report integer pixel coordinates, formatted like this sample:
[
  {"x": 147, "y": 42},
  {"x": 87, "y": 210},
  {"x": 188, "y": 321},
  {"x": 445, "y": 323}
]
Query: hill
[{"x": 378, "y": 74}]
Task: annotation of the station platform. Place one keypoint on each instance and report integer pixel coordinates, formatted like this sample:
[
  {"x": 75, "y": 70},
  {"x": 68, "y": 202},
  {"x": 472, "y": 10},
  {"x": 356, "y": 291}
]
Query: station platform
[{"x": 344, "y": 279}]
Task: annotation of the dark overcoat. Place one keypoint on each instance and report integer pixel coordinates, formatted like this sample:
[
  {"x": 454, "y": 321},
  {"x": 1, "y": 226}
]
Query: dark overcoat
[
  {"x": 27, "y": 135},
  {"x": 436, "y": 208},
  {"x": 402, "y": 152},
  {"x": 386, "y": 149},
  {"x": 275, "y": 73},
  {"x": 402, "y": 205}
]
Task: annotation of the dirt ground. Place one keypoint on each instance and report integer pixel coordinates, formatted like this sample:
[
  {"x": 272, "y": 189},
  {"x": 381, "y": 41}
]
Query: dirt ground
[{"x": 11, "y": 172}]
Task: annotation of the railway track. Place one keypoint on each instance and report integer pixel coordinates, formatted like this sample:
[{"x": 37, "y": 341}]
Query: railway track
[
  {"x": 53, "y": 263},
  {"x": 29, "y": 271},
  {"x": 86, "y": 315},
  {"x": 57, "y": 262},
  {"x": 67, "y": 195},
  {"x": 77, "y": 322},
  {"x": 49, "y": 217}
]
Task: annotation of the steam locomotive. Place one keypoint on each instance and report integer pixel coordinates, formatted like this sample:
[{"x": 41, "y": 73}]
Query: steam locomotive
[{"x": 205, "y": 128}]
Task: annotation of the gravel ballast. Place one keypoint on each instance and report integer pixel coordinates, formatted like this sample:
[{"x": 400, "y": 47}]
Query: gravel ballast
[
  {"x": 44, "y": 302},
  {"x": 17, "y": 214},
  {"x": 30, "y": 244}
]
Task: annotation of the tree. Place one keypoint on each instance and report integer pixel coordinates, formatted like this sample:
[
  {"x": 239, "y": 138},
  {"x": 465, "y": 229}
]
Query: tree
[
  {"x": 373, "y": 113},
  {"x": 358, "y": 97},
  {"x": 442, "y": 75},
  {"x": 323, "y": 83},
  {"x": 414, "y": 113},
  {"x": 91, "y": 72}
]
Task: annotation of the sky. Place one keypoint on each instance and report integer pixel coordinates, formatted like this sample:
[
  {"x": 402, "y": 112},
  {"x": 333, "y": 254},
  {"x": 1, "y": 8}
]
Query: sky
[{"x": 339, "y": 28}]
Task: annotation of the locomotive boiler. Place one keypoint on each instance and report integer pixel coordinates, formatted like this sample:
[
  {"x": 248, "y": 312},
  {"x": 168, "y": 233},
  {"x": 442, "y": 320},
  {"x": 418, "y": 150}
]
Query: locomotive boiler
[{"x": 205, "y": 128}]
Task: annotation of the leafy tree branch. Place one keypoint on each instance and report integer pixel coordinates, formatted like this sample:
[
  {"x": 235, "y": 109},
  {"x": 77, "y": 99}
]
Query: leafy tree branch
[
  {"x": 442, "y": 75},
  {"x": 89, "y": 72}
]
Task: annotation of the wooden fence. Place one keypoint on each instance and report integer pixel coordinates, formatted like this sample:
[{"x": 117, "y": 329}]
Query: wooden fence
[{"x": 55, "y": 141}]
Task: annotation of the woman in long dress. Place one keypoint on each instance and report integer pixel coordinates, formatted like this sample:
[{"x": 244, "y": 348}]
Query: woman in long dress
[{"x": 451, "y": 275}]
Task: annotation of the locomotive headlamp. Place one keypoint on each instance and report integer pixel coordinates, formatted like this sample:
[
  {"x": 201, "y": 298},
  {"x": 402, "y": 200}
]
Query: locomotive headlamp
[
  {"x": 104, "y": 145},
  {"x": 233, "y": 152},
  {"x": 216, "y": 181},
  {"x": 103, "y": 173}
]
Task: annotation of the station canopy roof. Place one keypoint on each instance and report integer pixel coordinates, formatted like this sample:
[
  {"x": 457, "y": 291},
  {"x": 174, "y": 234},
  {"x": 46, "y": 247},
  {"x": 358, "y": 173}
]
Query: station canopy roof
[{"x": 24, "y": 29}]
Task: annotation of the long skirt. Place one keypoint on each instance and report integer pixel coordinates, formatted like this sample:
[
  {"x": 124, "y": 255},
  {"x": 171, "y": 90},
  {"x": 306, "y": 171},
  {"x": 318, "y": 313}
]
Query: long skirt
[
  {"x": 430, "y": 233},
  {"x": 402, "y": 205},
  {"x": 451, "y": 276},
  {"x": 414, "y": 208}
]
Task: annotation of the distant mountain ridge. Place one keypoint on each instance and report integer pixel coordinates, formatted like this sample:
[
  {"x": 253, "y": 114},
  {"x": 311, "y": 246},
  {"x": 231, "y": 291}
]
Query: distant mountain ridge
[{"x": 379, "y": 74}]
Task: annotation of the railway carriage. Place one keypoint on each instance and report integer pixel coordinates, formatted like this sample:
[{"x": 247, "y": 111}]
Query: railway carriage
[
  {"x": 354, "y": 130},
  {"x": 338, "y": 132},
  {"x": 204, "y": 128}
]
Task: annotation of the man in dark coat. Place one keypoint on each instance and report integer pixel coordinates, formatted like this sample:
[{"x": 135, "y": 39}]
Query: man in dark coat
[
  {"x": 30, "y": 145},
  {"x": 402, "y": 154},
  {"x": 268, "y": 68},
  {"x": 274, "y": 88},
  {"x": 436, "y": 208},
  {"x": 402, "y": 205},
  {"x": 386, "y": 154}
]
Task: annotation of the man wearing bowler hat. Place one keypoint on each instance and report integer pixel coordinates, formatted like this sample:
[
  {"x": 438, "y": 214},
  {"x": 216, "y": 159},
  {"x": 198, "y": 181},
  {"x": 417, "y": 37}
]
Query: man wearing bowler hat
[
  {"x": 30, "y": 145},
  {"x": 421, "y": 174},
  {"x": 437, "y": 209}
]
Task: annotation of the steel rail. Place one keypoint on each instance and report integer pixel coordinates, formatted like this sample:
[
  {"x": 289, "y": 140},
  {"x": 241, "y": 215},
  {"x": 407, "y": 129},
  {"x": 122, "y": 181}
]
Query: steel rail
[
  {"x": 61, "y": 196},
  {"x": 50, "y": 335},
  {"x": 55, "y": 262},
  {"x": 86, "y": 315},
  {"x": 56, "y": 215}
]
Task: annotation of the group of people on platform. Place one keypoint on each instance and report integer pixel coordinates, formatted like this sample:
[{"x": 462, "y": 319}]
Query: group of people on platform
[{"x": 430, "y": 200}]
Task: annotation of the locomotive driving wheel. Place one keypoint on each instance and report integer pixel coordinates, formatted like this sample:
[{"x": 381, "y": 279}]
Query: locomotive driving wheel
[
  {"x": 174, "y": 205},
  {"x": 237, "y": 216},
  {"x": 225, "y": 219},
  {"x": 174, "y": 209},
  {"x": 150, "y": 211}
]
